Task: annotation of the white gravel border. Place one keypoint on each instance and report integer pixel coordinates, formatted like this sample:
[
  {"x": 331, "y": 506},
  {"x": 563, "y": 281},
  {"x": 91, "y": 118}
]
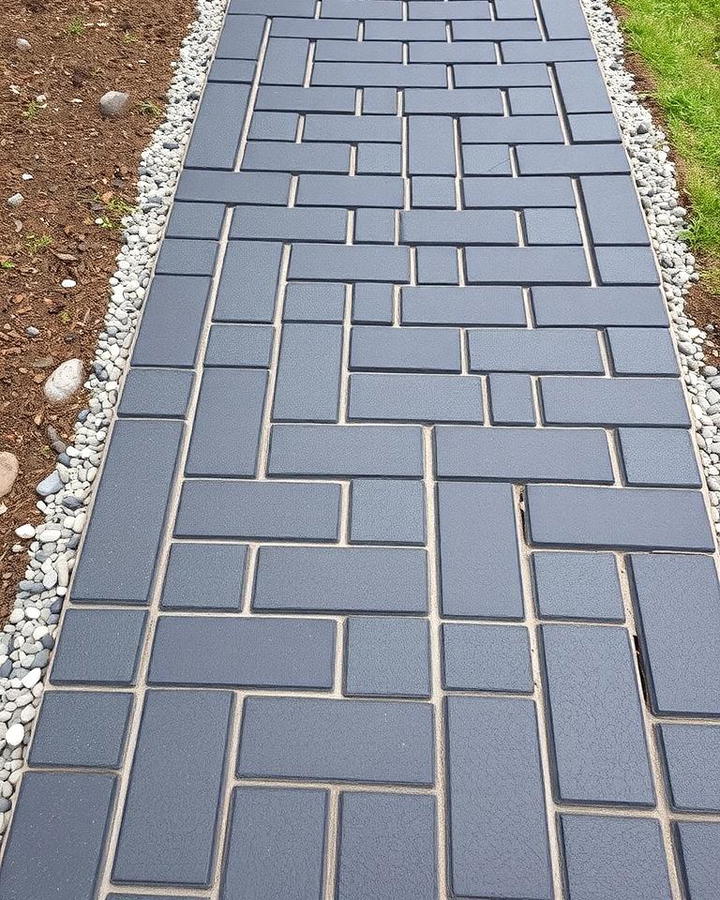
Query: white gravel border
[
  {"x": 29, "y": 635},
  {"x": 655, "y": 177}
]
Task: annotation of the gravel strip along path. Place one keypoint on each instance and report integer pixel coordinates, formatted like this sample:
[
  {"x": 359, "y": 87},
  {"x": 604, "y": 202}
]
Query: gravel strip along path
[
  {"x": 402, "y": 477},
  {"x": 29, "y": 635}
]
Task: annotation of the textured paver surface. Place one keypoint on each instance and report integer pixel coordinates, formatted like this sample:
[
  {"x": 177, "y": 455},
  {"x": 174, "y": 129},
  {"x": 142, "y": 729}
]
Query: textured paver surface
[{"x": 399, "y": 581}]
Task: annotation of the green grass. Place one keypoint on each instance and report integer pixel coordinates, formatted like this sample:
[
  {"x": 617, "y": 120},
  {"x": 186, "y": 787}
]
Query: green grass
[{"x": 679, "y": 40}]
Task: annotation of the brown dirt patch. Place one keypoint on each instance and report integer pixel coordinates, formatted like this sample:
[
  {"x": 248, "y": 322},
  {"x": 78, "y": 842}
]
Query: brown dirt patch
[
  {"x": 701, "y": 302},
  {"x": 83, "y": 167}
]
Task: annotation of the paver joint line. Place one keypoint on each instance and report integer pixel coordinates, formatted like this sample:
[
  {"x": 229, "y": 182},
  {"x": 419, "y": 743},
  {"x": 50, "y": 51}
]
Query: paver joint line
[{"x": 413, "y": 595}]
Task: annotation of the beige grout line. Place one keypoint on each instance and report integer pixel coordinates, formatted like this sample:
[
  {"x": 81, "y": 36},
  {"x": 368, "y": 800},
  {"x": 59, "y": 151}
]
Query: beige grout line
[
  {"x": 266, "y": 427},
  {"x": 222, "y": 823},
  {"x": 436, "y": 694},
  {"x": 332, "y": 839},
  {"x": 585, "y": 233},
  {"x": 532, "y": 622},
  {"x": 255, "y": 86}
]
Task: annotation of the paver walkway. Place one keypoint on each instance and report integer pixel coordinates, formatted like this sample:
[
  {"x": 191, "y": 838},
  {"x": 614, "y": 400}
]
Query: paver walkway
[{"x": 369, "y": 605}]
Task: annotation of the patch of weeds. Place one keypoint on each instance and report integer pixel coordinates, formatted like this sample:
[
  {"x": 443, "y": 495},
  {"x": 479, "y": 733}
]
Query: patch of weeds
[
  {"x": 76, "y": 28},
  {"x": 35, "y": 243},
  {"x": 65, "y": 316},
  {"x": 150, "y": 108},
  {"x": 7, "y": 264},
  {"x": 32, "y": 109},
  {"x": 129, "y": 38},
  {"x": 114, "y": 209}
]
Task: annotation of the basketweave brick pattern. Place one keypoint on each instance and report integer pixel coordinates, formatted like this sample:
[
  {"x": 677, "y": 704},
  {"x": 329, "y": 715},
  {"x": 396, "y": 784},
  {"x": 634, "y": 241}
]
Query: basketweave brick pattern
[{"x": 399, "y": 582}]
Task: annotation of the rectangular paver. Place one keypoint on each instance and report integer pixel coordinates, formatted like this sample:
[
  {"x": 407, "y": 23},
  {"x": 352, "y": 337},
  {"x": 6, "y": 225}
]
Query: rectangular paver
[
  {"x": 354, "y": 579},
  {"x": 155, "y": 844},
  {"x": 498, "y": 840},
  {"x": 596, "y": 720},
  {"x": 376, "y": 741}
]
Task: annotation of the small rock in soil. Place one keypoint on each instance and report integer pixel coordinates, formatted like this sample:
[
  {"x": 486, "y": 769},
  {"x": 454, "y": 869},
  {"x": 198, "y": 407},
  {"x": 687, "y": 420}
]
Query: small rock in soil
[
  {"x": 25, "y": 532},
  {"x": 64, "y": 381},
  {"x": 32, "y": 331},
  {"x": 114, "y": 104},
  {"x": 68, "y": 283},
  {"x": 22, "y": 44},
  {"x": 15, "y": 200},
  {"x": 9, "y": 468}
]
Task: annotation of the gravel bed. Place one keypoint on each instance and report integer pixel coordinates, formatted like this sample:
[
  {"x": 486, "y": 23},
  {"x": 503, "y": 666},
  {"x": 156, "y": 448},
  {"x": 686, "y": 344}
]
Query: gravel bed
[
  {"x": 27, "y": 639},
  {"x": 654, "y": 175}
]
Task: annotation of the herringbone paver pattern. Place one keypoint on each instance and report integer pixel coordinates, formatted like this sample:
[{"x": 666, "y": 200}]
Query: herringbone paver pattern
[{"x": 372, "y": 604}]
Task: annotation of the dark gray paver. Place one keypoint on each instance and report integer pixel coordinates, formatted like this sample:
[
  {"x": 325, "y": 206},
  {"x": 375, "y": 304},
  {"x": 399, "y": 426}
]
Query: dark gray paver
[
  {"x": 462, "y": 306},
  {"x": 642, "y": 351},
  {"x": 437, "y": 265},
  {"x": 76, "y": 728},
  {"x": 513, "y": 129},
  {"x": 374, "y": 451},
  {"x": 480, "y": 569},
  {"x": 458, "y": 227},
  {"x": 411, "y": 349},
  {"x": 535, "y": 350},
  {"x": 378, "y": 741},
  {"x": 486, "y": 658},
  {"x": 372, "y": 304},
  {"x": 314, "y": 302},
  {"x": 387, "y": 657},
  {"x": 526, "y": 265},
  {"x": 222, "y": 652},
  {"x": 511, "y": 399},
  {"x": 355, "y": 579},
  {"x": 258, "y": 510},
  {"x": 595, "y": 715},
  {"x": 99, "y": 646},
  {"x": 244, "y": 346},
  {"x": 156, "y": 393},
  {"x": 164, "y": 339},
  {"x": 389, "y": 511},
  {"x": 226, "y": 436},
  {"x": 599, "y": 306},
  {"x": 186, "y": 257},
  {"x": 66, "y": 814},
  {"x": 607, "y": 856},
  {"x": 680, "y": 639},
  {"x": 613, "y": 401},
  {"x": 613, "y": 212},
  {"x": 248, "y": 283},
  {"x": 498, "y": 838},
  {"x": 692, "y": 759},
  {"x": 168, "y": 835},
  {"x": 661, "y": 456},
  {"x": 353, "y": 191},
  {"x": 700, "y": 848},
  {"x": 626, "y": 265},
  {"x": 330, "y": 262},
  {"x": 308, "y": 373},
  {"x": 633, "y": 518},
  {"x": 213, "y": 186},
  {"x": 415, "y": 398},
  {"x": 526, "y": 454},
  {"x": 204, "y": 576},
  {"x": 216, "y": 139},
  {"x": 525, "y": 191},
  {"x": 196, "y": 220},
  {"x": 577, "y": 586},
  {"x": 387, "y": 845},
  {"x": 275, "y": 844},
  {"x": 271, "y": 223}
]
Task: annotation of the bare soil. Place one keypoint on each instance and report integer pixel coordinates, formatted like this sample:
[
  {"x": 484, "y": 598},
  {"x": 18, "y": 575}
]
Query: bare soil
[{"x": 84, "y": 169}]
